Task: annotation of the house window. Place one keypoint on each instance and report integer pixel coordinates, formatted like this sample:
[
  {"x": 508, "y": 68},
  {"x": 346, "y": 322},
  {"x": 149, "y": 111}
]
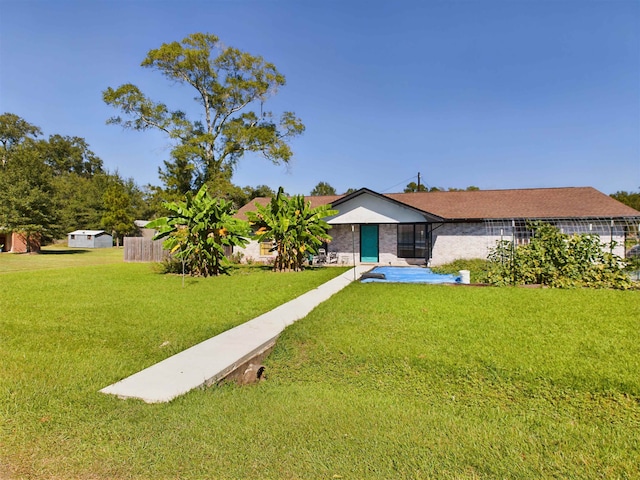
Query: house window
[
  {"x": 88, "y": 237},
  {"x": 73, "y": 237},
  {"x": 265, "y": 248},
  {"x": 412, "y": 240}
]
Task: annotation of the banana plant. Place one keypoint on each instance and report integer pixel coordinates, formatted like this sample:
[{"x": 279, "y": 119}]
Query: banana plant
[
  {"x": 296, "y": 229},
  {"x": 198, "y": 230}
]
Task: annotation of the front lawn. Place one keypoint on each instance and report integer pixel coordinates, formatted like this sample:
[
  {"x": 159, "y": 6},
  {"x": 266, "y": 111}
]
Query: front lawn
[
  {"x": 380, "y": 381},
  {"x": 59, "y": 256},
  {"x": 460, "y": 382}
]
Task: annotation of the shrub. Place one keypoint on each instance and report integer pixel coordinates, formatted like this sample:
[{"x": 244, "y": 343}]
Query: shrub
[
  {"x": 237, "y": 257},
  {"x": 559, "y": 260},
  {"x": 174, "y": 265}
]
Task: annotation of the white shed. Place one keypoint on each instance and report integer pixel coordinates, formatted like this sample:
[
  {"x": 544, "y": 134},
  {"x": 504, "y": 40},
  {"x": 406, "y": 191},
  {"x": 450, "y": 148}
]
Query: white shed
[{"x": 90, "y": 239}]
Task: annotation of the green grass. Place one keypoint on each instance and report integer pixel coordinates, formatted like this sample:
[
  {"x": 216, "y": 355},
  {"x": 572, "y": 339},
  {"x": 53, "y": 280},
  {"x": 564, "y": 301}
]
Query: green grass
[
  {"x": 53, "y": 257},
  {"x": 461, "y": 382},
  {"x": 477, "y": 268},
  {"x": 381, "y": 381}
]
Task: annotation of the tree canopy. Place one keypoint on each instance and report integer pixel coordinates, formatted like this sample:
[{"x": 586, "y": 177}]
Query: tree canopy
[
  {"x": 119, "y": 215},
  {"x": 49, "y": 187},
  {"x": 70, "y": 155},
  {"x": 414, "y": 187},
  {"x": 323, "y": 188},
  {"x": 26, "y": 188},
  {"x": 632, "y": 199},
  {"x": 13, "y": 131},
  {"x": 231, "y": 89}
]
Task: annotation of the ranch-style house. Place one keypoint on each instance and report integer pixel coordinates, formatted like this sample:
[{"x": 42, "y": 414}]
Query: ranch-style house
[{"x": 435, "y": 228}]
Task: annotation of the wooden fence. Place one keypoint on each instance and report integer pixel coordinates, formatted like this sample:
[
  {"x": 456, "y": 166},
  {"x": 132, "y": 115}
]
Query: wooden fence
[{"x": 139, "y": 249}]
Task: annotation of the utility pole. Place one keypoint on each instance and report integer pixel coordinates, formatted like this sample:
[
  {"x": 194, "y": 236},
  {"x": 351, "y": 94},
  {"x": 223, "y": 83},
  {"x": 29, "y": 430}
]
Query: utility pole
[{"x": 418, "y": 181}]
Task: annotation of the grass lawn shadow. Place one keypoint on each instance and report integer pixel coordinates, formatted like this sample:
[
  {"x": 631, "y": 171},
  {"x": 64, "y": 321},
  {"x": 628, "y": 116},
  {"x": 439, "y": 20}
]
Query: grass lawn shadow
[{"x": 68, "y": 251}]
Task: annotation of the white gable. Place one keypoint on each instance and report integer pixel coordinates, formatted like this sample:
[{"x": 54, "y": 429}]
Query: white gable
[{"x": 367, "y": 208}]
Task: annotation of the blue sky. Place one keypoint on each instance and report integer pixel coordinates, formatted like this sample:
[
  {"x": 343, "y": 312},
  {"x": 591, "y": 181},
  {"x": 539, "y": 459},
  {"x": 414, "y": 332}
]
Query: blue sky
[{"x": 497, "y": 94}]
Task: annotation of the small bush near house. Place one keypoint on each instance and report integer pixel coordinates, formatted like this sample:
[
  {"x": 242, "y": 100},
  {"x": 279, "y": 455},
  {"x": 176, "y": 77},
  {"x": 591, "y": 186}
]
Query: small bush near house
[
  {"x": 173, "y": 265},
  {"x": 633, "y": 261},
  {"x": 558, "y": 260},
  {"x": 236, "y": 258}
]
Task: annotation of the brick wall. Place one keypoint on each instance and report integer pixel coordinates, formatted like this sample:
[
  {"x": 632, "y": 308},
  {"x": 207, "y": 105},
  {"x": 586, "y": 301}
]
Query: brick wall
[
  {"x": 451, "y": 241},
  {"x": 343, "y": 244}
]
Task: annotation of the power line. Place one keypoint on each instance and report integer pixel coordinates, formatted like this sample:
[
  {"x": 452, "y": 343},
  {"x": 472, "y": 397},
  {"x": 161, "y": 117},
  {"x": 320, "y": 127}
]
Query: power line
[{"x": 399, "y": 183}]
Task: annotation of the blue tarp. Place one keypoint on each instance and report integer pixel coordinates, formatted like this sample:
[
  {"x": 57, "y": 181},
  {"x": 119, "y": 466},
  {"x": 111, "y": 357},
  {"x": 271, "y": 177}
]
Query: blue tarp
[{"x": 410, "y": 275}]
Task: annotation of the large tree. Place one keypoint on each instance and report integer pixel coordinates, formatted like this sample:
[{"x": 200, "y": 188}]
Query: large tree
[
  {"x": 70, "y": 155},
  {"x": 231, "y": 88},
  {"x": 177, "y": 175},
  {"x": 78, "y": 201},
  {"x": 26, "y": 189},
  {"x": 13, "y": 131},
  {"x": 323, "y": 188},
  {"x": 26, "y": 186},
  {"x": 118, "y": 216}
]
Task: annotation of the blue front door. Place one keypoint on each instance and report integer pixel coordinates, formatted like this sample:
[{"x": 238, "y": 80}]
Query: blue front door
[{"x": 369, "y": 243}]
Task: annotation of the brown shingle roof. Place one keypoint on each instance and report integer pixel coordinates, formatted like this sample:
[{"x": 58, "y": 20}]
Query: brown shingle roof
[{"x": 568, "y": 202}]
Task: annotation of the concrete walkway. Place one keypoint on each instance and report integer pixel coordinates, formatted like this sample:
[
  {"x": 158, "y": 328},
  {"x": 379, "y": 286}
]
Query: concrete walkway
[{"x": 213, "y": 359}]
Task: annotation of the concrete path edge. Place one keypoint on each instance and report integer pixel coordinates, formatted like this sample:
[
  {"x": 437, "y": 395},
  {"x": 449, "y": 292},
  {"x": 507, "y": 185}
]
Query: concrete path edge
[{"x": 212, "y": 360}]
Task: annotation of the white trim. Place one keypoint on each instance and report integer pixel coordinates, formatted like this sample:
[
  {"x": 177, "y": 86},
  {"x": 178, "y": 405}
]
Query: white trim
[{"x": 367, "y": 208}]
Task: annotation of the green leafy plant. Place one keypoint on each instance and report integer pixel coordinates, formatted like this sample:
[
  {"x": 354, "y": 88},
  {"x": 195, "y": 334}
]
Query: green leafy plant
[
  {"x": 229, "y": 84},
  {"x": 199, "y": 230},
  {"x": 555, "y": 259},
  {"x": 296, "y": 229},
  {"x": 237, "y": 257},
  {"x": 118, "y": 217}
]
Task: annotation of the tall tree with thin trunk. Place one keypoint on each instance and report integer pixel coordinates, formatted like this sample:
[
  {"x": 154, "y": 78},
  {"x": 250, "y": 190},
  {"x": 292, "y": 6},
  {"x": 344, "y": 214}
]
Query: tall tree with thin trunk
[{"x": 231, "y": 88}]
